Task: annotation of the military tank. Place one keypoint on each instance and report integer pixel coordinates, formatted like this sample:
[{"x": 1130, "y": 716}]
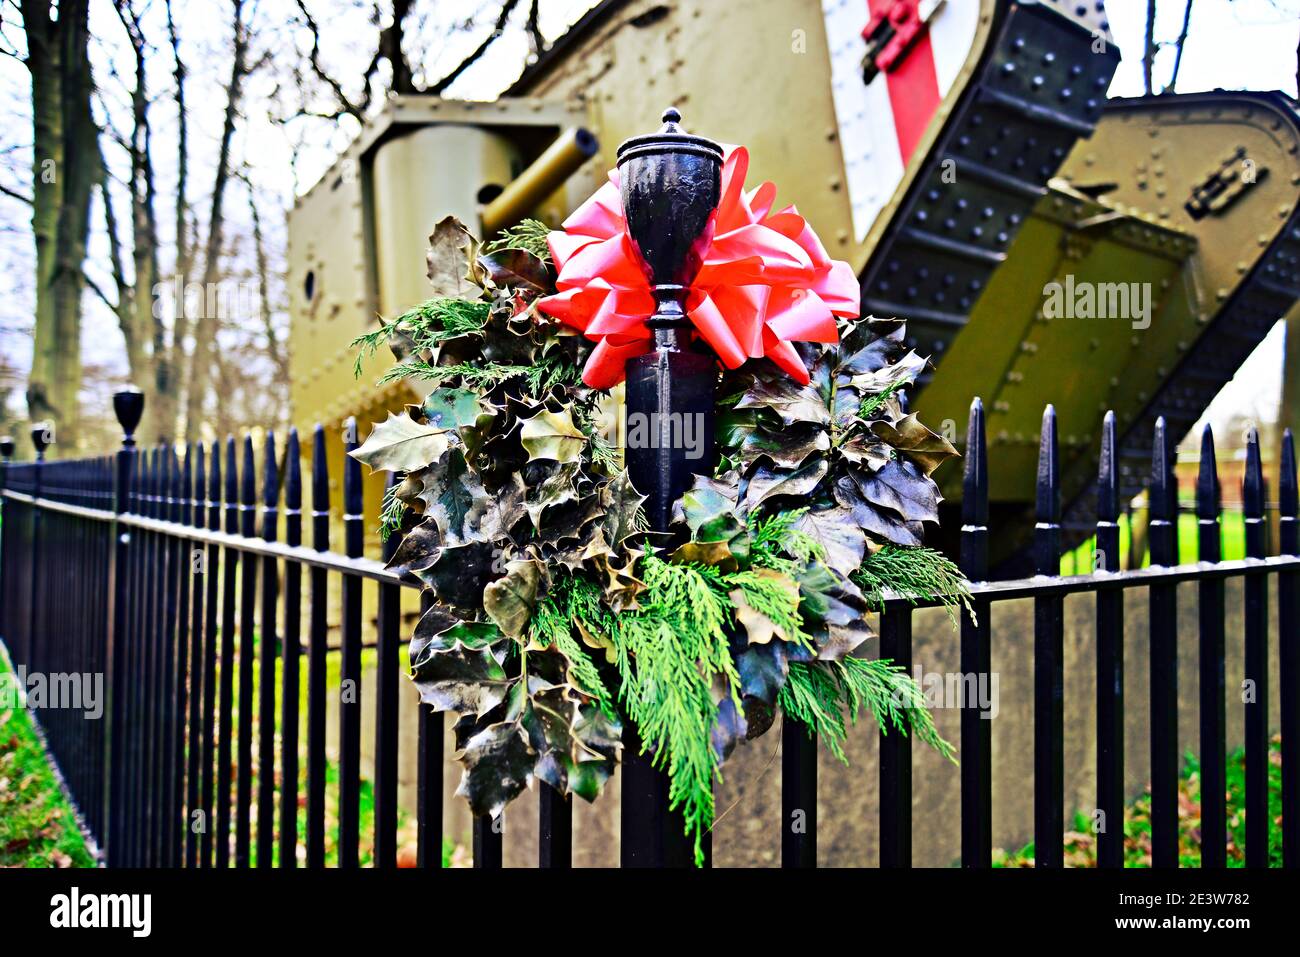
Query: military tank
[{"x": 962, "y": 156}]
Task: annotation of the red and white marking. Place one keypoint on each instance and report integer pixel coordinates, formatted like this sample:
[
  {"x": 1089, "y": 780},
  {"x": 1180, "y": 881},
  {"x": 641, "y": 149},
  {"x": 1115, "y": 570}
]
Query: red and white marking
[{"x": 881, "y": 123}]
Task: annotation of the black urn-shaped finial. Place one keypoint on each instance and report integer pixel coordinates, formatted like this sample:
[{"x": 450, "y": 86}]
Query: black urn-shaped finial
[
  {"x": 42, "y": 438},
  {"x": 128, "y": 406},
  {"x": 671, "y": 184}
]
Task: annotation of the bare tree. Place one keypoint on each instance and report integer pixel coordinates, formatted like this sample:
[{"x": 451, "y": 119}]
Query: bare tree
[
  {"x": 1181, "y": 42},
  {"x": 205, "y": 331}
]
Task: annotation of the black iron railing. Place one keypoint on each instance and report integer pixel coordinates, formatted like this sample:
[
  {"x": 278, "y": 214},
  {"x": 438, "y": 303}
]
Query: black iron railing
[{"x": 149, "y": 567}]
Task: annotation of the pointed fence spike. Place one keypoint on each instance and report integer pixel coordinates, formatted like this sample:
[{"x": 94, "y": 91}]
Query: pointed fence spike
[
  {"x": 1163, "y": 489},
  {"x": 232, "y": 472},
  {"x": 1252, "y": 485},
  {"x": 175, "y": 492},
  {"x": 975, "y": 474},
  {"x": 187, "y": 485},
  {"x": 1108, "y": 472},
  {"x": 1207, "y": 478},
  {"x": 351, "y": 471},
  {"x": 270, "y": 474},
  {"x": 320, "y": 471},
  {"x": 200, "y": 484},
  {"x": 1048, "y": 497},
  {"x": 1288, "y": 491},
  {"x": 293, "y": 470},
  {"x": 248, "y": 480}
]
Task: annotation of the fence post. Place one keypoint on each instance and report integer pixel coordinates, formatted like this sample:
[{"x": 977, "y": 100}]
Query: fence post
[
  {"x": 41, "y": 439},
  {"x": 975, "y": 653},
  {"x": 669, "y": 196},
  {"x": 1162, "y": 535},
  {"x": 1110, "y": 657},
  {"x": 1255, "y": 692},
  {"x": 1049, "y": 671},
  {"x": 128, "y": 406},
  {"x": 1214, "y": 828},
  {"x": 1288, "y": 617}
]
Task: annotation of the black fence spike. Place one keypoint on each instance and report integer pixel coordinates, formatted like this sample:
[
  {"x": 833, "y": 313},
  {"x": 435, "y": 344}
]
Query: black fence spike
[
  {"x": 187, "y": 485},
  {"x": 270, "y": 474},
  {"x": 293, "y": 472},
  {"x": 1164, "y": 492},
  {"x": 176, "y": 491},
  {"x": 1048, "y": 488},
  {"x": 232, "y": 479},
  {"x": 1207, "y": 478},
  {"x": 351, "y": 471},
  {"x": 320, "y": 471},
  {"x": 200, "y": 484},
  {"x": 1288, "y": 491},
  {"x": 1108, "y": 472},
  {"x": 214, "y": 488},
  {"x": 975, "y": 474},
  {"x": 1252, "y": 484},
  {"x": 248, "y": 478}
]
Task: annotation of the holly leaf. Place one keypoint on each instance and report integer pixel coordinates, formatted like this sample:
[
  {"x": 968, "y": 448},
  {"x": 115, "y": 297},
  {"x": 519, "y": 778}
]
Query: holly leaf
[
  {"x": 400, "y": 444},
  {"x": 510, "y": 601},
  {"x": 419, "y": 548},
  {"x": 555, "y": 489},
  {"x": 451, "y": 494},
  {"x": 491, "y": 517},
  {"x": 843, "y": 543},
  {"x": 552, "y": 435},
  {"x": 622, "y": 503},
  {"x": 834, "y": 611},
  {"x": 864, "y": 448},
  {"x": 909, "y": 436},
  {"x": 793, "y": 403},
  {"x": 768, "y": 482},
  {"x": 787, "y": 448},
  {"x": 461, "y": 573},
  {"x": 464, "y": 681},
  {"x": 900, "y": 487},
  {"x": 871, "y": 345},
  {"x": 452, "y": 261},
  {"x": 870, "y": 518},
  {"x": 454, "y": 409},
  {"x": 517, "y": 269},
  {"x": 498, "y": 766}
]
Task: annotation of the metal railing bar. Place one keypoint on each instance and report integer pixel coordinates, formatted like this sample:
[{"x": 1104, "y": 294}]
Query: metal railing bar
[{"x": 367, "y": 568}]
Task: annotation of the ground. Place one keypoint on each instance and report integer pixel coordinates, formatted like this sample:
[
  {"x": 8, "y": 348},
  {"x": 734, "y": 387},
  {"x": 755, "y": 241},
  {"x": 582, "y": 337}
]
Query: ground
[{"x": 37, "y": 825}]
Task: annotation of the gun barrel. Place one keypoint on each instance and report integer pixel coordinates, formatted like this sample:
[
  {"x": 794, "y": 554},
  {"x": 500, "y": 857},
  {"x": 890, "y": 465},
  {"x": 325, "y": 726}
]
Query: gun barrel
[{"x": 571, "y": 149}]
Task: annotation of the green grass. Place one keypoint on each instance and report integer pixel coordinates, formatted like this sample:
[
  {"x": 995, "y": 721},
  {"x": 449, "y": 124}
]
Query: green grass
[
  {"x": 1079, "y": 561},
  {"x": 37, "y": 825},
  {"x": 1081, "y": 843}
]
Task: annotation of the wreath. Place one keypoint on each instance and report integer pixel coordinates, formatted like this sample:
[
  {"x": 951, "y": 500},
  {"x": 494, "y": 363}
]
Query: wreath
[{"x": 557, "y": 617}]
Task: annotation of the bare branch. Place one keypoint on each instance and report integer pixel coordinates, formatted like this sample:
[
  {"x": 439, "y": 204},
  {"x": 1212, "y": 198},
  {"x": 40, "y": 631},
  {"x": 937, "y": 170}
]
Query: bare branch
[
  {"x": 503, "y": 18},
  {"x": 14, "y": 194}
]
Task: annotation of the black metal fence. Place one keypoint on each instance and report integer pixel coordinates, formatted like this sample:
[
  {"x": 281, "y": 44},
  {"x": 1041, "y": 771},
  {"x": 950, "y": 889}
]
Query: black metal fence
[{"x": 151, "y": 568}]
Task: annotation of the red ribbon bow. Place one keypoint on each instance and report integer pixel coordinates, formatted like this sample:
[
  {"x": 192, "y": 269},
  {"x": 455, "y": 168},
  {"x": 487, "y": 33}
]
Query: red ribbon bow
[{"x": 766, "y": 281}]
